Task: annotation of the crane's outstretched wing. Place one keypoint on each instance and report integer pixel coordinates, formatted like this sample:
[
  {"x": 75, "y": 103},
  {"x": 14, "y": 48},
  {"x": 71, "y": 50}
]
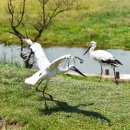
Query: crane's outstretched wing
[
  {"x": 29, "y": 41},
  {"x": 51, "y": 70},
  {"x": 44, "y": 72},
  {"x": 57, "y": 62},
  {"x": 42, "y": 60}
]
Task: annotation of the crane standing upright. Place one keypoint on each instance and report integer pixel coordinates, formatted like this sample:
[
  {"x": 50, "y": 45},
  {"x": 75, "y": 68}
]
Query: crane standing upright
[{"x": 103, "y": 57}]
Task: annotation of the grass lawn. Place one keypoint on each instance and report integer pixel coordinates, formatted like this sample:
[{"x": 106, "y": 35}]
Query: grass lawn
[
  {"x": 107, "y": 22},
  {"x": 79, "y": 103}
]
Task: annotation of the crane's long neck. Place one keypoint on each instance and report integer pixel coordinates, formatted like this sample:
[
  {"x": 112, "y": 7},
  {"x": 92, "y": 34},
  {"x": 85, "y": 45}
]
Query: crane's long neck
[
  {"x": 61, "y": 70},
  {"x": 92, "y": 48}
]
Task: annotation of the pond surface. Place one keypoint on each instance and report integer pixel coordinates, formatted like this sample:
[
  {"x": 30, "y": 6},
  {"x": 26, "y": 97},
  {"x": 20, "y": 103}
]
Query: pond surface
[{"x": 11, "y": 55}]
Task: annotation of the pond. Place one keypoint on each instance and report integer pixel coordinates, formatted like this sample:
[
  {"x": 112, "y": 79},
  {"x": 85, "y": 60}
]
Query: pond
[{"x": 11, "y": 55}]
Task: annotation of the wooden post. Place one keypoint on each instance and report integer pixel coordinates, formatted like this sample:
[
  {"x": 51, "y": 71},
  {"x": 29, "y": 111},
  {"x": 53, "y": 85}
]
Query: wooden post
[
  {"x": 117, "y": 75},
  {"x": 106, "y": 71}
]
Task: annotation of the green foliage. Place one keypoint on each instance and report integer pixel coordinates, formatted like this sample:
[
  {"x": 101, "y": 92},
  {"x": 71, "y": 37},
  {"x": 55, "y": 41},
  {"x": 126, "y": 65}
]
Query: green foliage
[
  {"x": 79, "y": 103},
  {"x": 106, "y": 22}
]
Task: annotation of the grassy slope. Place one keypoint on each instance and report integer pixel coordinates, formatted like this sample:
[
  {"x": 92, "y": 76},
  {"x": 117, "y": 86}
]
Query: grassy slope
[
  {"x": 107, "y": 22},
  {"x": 80, "y": 103}
]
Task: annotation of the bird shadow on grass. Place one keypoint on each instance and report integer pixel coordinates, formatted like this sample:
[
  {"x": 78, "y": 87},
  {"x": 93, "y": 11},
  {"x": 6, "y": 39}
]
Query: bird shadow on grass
[{"x": 64, "y": 107}]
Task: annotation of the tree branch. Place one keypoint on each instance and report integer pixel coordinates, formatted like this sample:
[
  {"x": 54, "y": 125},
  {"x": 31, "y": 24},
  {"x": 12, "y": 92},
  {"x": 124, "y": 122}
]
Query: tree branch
[
  {"x": 47, "y": 18},
  {"x": 48, "y": 13}
]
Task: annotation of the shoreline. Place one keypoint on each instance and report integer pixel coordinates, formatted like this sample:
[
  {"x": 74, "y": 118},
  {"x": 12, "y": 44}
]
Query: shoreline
[{"x": 122, "y": 76}]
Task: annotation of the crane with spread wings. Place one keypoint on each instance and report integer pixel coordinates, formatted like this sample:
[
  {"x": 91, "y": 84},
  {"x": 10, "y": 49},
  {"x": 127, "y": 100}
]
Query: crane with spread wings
[{"x": 47, "y": 70}]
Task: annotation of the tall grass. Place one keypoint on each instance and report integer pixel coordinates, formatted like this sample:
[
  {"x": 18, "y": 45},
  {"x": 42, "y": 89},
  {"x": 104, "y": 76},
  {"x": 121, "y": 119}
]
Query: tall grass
[{"x": 107, "y": 22}]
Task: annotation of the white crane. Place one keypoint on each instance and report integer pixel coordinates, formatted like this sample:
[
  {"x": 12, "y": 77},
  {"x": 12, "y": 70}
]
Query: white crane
[
  {"x": 103, "y": 57},
  {"x": 47, "y": 69}
]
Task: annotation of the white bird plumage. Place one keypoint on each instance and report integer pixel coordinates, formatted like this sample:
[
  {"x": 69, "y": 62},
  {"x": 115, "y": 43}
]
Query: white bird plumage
[
  {"x": 41, "y": 58},
  {"x": 103, "y": 57},
  {"x": 48, "y": 72},
  {"x": 47, "y": 69}
]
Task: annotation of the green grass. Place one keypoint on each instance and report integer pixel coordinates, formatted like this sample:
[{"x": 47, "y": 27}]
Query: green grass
[
  {"x": 79, "y": 103},
  {"x": 107, "y": 22}
]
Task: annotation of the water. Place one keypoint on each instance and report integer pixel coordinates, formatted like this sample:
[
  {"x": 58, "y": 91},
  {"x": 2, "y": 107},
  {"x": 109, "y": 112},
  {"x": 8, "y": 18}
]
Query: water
[{"x": 11, "y": 55}]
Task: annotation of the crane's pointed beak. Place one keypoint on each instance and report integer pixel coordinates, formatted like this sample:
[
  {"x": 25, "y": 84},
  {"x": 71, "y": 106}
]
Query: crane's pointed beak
[
  {"x": 76, "y": 70},
  {"x": 87, "y": 50}
]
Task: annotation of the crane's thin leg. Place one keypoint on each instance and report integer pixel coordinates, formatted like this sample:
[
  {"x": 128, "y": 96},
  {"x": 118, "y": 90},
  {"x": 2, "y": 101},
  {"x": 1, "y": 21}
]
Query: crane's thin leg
[
  {"x": 115, "y": 76},
  {"x": 47, "y": 93},
  {"x": 44, "y": 95},
  {"x": 37, "y": 89},
  {"x": 51, "y": 97},
  {"x": 101, "y": 72}
]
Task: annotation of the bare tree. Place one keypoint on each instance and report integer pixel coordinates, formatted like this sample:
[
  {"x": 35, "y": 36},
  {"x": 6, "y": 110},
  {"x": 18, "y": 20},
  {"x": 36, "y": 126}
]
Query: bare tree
[
  {"x": 15, "y": 22},
  {"x": 49, "y": 10}
]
